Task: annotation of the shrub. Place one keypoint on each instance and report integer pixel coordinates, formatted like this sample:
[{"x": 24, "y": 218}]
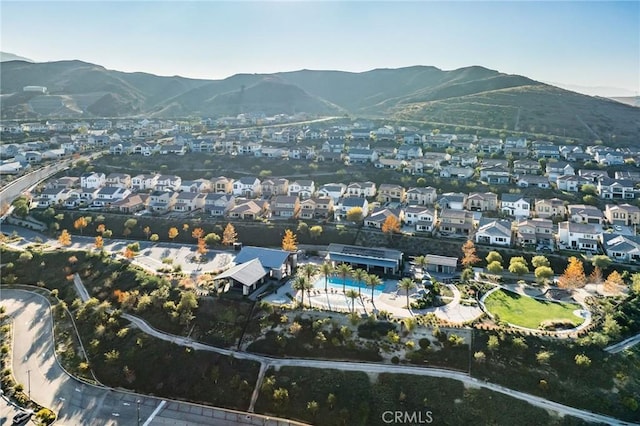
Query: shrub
[
  {"x": 424, "y": 343},
  {"x": 395, "y": 360}
]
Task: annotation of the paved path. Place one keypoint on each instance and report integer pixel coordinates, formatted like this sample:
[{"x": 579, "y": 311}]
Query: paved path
[
  {"x": 79, "y": 403},
  {"x": 625, "y": 344}
]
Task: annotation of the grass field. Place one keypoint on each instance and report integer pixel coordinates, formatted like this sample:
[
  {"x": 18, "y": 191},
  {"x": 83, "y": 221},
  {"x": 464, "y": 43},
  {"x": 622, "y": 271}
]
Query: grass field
[{"x": 529, "y": 312}]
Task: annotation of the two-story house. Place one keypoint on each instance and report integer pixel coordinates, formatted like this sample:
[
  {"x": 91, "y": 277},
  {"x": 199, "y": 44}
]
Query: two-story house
[
  {"x": 285, "y": 207},
  {"x": 222, "y": 185},
  {"x": 347, "y": 203},
  {"x": 168, "y": 182},
  {"x": 92, "y": 180},
  {"x": 422, "y": 218},
  {"x": 526, "y": 167},
  {"x": 120, "y": 180},
  {"x": 275, "y": 186},
  {"x": 362, "y": 155},
  {"x": 361, "y": 189},
  {"x": 218, "y": 204},
  {"x": 453, "y": 200},
  {"x": 378, "y": 216},
  {"x": 455, "y": 223},
  {"x": 582, "y": 213},
  {"x": 106, "y": 196},
  {"x": 494, "y": 232},
  {"x": 302, "y": 189},
  {"x": 622, "y": 248},
  {"x": 144, "y": 182},
  {"x": 247, "y": 186},
  {"x": 535, "y": 232},
  {"x": 578, "y": 236},
  {"x": 556, "y": 169},
  {"x": 571, "y": 183},
  {"x": 162, "y": 201},
  {"x": 52, "y": 197},
  {"x": 495, "y": 175},
  {"x": 550, "y": 208},
  {"x": 421, "y": 196},
  {"x": 515, "y": 205},
  {"x": 190, "y": 201},
  {"x": 482, "y": 201},
  {"x": 622, "y": 214},
  {"x": 389, "y": 193},
  {"x": 616, "y": 189},
  {"x": 316, "y": 208}
]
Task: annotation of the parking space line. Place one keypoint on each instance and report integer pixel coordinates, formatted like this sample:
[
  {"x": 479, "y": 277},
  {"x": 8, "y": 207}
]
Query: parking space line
[{"x": 155, "y": 413}]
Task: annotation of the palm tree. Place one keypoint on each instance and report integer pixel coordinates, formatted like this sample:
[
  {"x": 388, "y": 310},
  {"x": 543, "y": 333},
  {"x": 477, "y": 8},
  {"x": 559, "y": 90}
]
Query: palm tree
[
  {"x": 421, "y": 262},
  {"x": 352, "y": 294},
  {"x": 372, "y": 281},
  {"x": 344, "y": 270},
  {"x": 301, "y": 283},
  {"x": 359, "y": 275},
  {"x": 407, "y": 285},
  {"x": 308, "y": 270},
  {"x": 326, "y": 269}
]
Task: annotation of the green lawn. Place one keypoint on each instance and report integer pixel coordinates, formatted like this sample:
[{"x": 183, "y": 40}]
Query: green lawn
[{"x": 529, "y": 312}]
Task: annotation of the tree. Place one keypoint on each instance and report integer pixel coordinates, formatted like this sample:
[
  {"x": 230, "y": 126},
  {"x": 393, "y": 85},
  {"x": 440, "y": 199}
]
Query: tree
[
  {"x": 154, "y": 238},
  {"x": 573, "y": 276},
  {"x": 21, "y": 206},
  {"x": 518, "y": 266},
  {"x": 538, "y": 261},
  {"x": 173, "y": 232},
  {"x": 344, "y": 270},
  {"x": 469, "y": 256},
  {"x": 107, "y": 233},
  {"x": 128, "y": 253},
  {"x": 495, "y": 267},
  {"x": 494, "y": 256},
  {"x": 315, "y": 231},
  {"x": 353, "y": 295},
  {"x": 355, "y": 214},
  {"x": 590, "y": 200},
  {"x": 65, "y": 238},
  {"x": 407, "y": 285},
  {"x": 614, "y": 281},
  {"x": 635, "y": 283},
  {"x": 543, "y": 357},
  {"x": 80, "y": 223},
  {"x": 308, "y": 270},
  {"x": 391, "y": 225},
  {"x": 589, "y": 189},
  {"x": 313, "y": 407},
  {"x": 543, "y": 274},
  {"x": 185, "y": 227},
  {"x": 493, "y": 343},
  {"x": 130, "y": 223},
  {"x": 301, "y": 284},
  {"x": 582, "y": 360},
  {"x": 229, "y": 235},
  {"x": 359, "y": 275},
  {"x": 326, "y": 269},
  {"x": 372, "y": 281},
  {"x": 600, "y": 263},
  {"x": 99, "y": 242},
  {"x": 289, "y": 241},
  {"x": 212, "y": 239},
  {"x": 147, "y": 231},
  {"x": 202, "y": 247},
  {"x": 421, "y": 262},
  {"x": 197, "y": 233},
  {"x": 101, "y": 228}
]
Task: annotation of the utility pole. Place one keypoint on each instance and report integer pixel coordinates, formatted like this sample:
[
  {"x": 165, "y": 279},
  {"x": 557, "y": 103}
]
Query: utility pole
[
  {"x": 138, "y": 405},
  {"x": 29, "y": 383}
]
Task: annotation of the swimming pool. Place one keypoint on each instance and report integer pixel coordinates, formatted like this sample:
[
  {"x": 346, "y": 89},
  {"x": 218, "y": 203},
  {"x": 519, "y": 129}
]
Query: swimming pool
[{"x": 350, "y": 283}]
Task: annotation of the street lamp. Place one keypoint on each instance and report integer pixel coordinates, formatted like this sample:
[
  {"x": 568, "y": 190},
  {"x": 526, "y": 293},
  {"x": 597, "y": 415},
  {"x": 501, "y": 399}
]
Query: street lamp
[
  {"x": 138, "y": 406},
  {"x": 29, "y": 383}
]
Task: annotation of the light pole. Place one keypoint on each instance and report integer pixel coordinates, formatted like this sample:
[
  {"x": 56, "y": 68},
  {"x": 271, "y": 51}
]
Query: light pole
[
  {"x": 138, "y": 406},
  {"x": 29, "y": 383}
]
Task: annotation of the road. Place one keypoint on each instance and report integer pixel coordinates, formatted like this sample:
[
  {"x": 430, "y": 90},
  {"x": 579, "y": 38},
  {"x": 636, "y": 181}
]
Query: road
[
  {"x": 77, "y": 403},
  {"x": 625, "y": 344}
]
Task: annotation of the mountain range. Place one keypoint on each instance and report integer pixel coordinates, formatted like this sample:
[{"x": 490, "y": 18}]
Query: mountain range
[{"x": 472, "y": 97}]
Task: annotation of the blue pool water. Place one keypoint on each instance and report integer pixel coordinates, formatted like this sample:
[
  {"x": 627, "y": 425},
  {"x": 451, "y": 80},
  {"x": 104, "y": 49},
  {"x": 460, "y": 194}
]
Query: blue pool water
[{"x": 350, "y": 283}]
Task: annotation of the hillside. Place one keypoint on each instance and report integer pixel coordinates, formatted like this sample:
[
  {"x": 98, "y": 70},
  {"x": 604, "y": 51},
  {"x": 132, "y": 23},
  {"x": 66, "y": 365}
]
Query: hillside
[
  {"x": 470, "y": 96},
  {"x": 6, "y": 57}
]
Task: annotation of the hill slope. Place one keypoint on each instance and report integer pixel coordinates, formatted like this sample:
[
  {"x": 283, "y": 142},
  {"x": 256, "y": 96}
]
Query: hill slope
[{"x": 470, "y": 96}]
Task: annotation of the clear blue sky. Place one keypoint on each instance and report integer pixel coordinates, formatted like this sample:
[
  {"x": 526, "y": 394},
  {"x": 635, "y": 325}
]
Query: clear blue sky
[{"x": 579, "y": 43}]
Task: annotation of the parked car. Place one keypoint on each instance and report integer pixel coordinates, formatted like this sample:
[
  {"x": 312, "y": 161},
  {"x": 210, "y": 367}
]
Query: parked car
[
  {"x": 22, "y": 417},
  {"x": 618, "y": 228}
]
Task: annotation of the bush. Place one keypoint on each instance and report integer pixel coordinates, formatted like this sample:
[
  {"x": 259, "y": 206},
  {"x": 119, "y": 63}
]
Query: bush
[
  {"x": 395, "y": 360},
  {"x": 46, "y": 416},
  {"x": 375, "y": 330},
  {"x": 424, "y": 343}
]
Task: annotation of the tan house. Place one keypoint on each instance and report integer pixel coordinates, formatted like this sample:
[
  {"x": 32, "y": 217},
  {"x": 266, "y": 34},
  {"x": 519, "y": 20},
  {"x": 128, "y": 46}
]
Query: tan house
[
  {"x": 248, "y": 209},
  {"x": 482, "y": 201},
  {"x": 222, "y": 185},
  {"x": 550, "y": 208},
  {"x": 455, "y": 223},
  {"x": 131, "y": 204},
  {"x": 388, "y": 193},
  {"x": 622, "y": 214},
  {"x": 285, "y": 207},
  {"x": 421, "y": 196},
  {"x": 279, "y": 186}
]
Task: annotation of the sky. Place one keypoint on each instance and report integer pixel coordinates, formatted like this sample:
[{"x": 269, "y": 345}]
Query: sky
[{"x": 577, "y": 43}]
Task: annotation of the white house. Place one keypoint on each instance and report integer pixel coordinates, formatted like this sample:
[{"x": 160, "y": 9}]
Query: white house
[
  {"x": 361, "y": 189},
  {"x": 578, "y": 236},
  {"x": 421, "y": 218},
  {"x": 92, "y": 180},
  {"x": 302, "y": 189},
  {"x": 168, "y": 182},
  {"x": 247, "y": 187},
  {"x": 347, "y": 203},
  {"x": 144, "y": 182},
  {"x": 332, "y": 190},
  {"x": 218, "y": 204},
  {"x": 189, "y": 201},
  {"x": 421, "y": 196},
  {"x": 106, "y": 196},
  {"x": 494, "y": 232},
  {"x": 515, "y": 205}
]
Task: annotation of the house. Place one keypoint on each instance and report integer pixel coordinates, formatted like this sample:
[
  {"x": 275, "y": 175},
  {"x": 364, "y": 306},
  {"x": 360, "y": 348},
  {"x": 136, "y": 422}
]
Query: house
[
  {"x": 489, "y": 145},
  {"x": 559, "y": 168},
  {"x": 515, "y": 205},
  {"x": 302, "y": 153},
  {"x": 248, "y": 209},
  {"x": 609, "y": 158},
  {"x": 218, "y": 204},
  {"x": 578, "y": 236},
  {"x": 302, "y": 189},
  {"x": 494, "y": 232},
  {"x": 582, "y": 213},
  {"x": 391, "y": 164},
  {"x": 421, "y": 218},
  {"x": 120, "y": 180},
  {"x": 362, "y": 155},
  {"x": 622, "y": 214},
  {"x": 12, "y": 168},
  {"x": 378, "y": 216},
  {"x": 543, "y": 149},
  {"x": 439, "y": 141},
  {"x": 616, "y": 189},
  {"x": 622, "y": 248},
  {"x": 248, "y": 276},
  {"x": 29, "y": 157},
  {"x": 550, "y": 208},
  {"x": 421, "y": 196},
  {"x": 272, "y": 152},
  {"x": 441, "y": 264},
  {"x": 168, "y": 182},
  {"x": 285, "y": 207},
  {"x": 131, "y": 204},
  {"x": 464, "y": 160},
  {"x": 336, "y": 146},
  {"x": 316, "y": 208},
  {"x": 53, "y": 154},
  {"x": 516, "y": 152},
  {"x": 526, "y": 181},
  {"x": 64, "y": 182},
  {"x": 495, "y": 175},
  {"x": 593, "y": 175},
  {"x": 571, "y": 183},
  {"x": 247, "y": 186},
  {"x": 248, "y": 148},
  {"x": 453, "y": 200},
  {"x": 408, "y": 152},
  {"x": 389, "y": 193},
  {"x": 526, "y": 167},
  {"x": 456, "y": 223},
  {"x": 162, "y": 201},
  {"x": 276, "y": 186},
  {"x": 173, "y": 149},
  {"x": 189, "y": 201},
  {"x": 535, "y": 232},
  {"x": 332, "y": 190},
  {"x": 361, "y": 189},
  {"x": 92, "y": 180},
  {"x": 106, "y": 196},
  {"x": 198, "y": 185},
  {"x": 146, "y": 149},
  {"x": 144, "y": 182},
  {"x": 52, "y": 197},
  {"x": 482, "y": 202},
  {"x": 278, "y": 263},
  {"x": 222, "y": 185},
  {"x": 384, "y": 260},
  {"x": 347, "y": 203}
]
